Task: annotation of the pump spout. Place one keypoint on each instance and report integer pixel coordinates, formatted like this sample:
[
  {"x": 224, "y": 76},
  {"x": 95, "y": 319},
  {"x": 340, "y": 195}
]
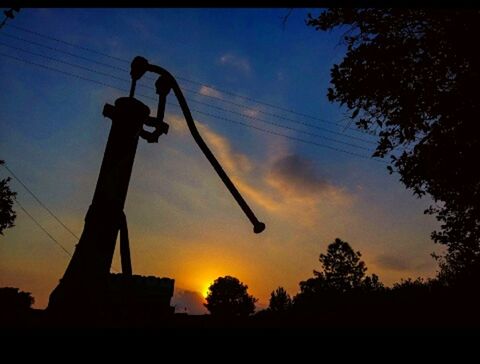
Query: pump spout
[{"x": 139, "y": 66}]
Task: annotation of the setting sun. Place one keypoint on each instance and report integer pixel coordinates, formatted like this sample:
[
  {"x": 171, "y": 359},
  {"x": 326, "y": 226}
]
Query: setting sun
[{"x": 205, "y": 289}]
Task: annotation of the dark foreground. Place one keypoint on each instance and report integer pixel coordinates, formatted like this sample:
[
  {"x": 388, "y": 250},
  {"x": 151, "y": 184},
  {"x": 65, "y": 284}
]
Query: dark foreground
[{"x": 421, "y": 322}]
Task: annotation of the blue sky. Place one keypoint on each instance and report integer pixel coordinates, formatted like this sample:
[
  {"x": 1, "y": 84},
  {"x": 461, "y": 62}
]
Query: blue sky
[{"x": 183, "y": 223}]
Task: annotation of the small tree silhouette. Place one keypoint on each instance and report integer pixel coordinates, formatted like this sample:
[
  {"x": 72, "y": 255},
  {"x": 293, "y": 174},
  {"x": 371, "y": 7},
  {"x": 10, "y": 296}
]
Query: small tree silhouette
[
  {"x": 342, "y": 268},
  {"x": 12, "y": 300},
  {"x": 7, "y": 215},
  {"x": 228, "y": 296},
  {"x": 280, "y": 301},
  {"x": 341, "y": 281}
]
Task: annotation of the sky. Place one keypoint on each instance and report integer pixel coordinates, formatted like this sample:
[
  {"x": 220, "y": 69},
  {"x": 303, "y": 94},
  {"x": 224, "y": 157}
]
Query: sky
[{"x": 242, "y": 71}]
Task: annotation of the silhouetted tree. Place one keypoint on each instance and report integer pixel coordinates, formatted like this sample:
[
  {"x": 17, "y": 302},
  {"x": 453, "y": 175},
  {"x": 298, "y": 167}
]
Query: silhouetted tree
[
  {"x": 228, "y": 296},
  {"x": 410, "y": 284},
  {"x": 12, "y": 300},
  {"x": 372, "y": 284},
  {"x": 412, "y": 76},
  {"x": 7, "y": 197},
  {"x": 314, "y": 292},
  {"x": 280, "y": 301},
  {"x": 342, "y": 268},
  {"x": 343, "y": 275}
]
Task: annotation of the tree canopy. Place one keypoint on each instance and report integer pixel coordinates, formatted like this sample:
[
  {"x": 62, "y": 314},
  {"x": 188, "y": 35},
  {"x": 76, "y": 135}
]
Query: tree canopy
[
  {"x": 7, "y": 197},
  {"x": 342, "y": 275},
  {"x": 342, "y": 271},
  {"x": 411, "y": 76},
  {"x": 280, "y": 301},
  {"x": 342, "y": 268},
  {"x": 228, "y": 296},
  {"x": 14, "y": 300}
]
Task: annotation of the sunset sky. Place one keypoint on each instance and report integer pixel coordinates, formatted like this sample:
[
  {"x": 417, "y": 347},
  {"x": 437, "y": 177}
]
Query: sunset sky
[{"x": 183, "y": 222}]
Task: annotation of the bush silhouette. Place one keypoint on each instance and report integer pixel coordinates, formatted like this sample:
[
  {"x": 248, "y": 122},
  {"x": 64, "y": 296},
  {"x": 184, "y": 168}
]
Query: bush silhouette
[
  {"x": 411, "y": 76},
  {"x": 227, "y": 296},
  {"x": 341, "y": 281},
  {"x": 280, "y": 301},
  {"x": 7, "y": 197},
  {"x": 14, "y": 301}
]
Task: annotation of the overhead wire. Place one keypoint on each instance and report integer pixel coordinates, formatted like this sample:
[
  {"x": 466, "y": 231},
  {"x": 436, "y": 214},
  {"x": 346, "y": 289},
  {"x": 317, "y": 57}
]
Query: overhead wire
[
  {"x": 42, "y": 228},
  {"x": 40, "y": 202},
  {"x": 197, "y": 111},
  {"x": 215, "y": 88},
  {"x": 204, "y": 103},
  {"x": 115, "y": 269}
]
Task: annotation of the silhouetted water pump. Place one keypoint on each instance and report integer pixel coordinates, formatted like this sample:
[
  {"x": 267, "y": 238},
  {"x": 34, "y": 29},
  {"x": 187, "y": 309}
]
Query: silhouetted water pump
[{"x": 87, "y": 285}]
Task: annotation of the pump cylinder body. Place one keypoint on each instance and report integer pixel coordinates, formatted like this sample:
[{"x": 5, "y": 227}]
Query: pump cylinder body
[{"x": 85, "y": 280}]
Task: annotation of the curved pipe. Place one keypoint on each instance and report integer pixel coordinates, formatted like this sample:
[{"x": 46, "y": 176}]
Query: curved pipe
[{"x": 258, "y": 226}]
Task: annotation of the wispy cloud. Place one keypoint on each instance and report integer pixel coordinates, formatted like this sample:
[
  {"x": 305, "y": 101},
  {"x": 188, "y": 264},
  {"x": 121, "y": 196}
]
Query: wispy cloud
[
  {"x": 392, "y": 262},
  {"x": 234, "y": 163},
  {"x": 191, "y": 302},
  {"x": 253, "y": 113},
  {"x": 238, "y": 62},
  {"x": 208, "y": 91},
  {"x": 293, "y": 174}
]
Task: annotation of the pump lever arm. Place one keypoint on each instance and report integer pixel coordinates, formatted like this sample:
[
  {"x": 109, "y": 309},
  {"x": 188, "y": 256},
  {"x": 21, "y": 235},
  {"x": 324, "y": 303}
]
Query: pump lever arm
[{"x": 139, "y": 66}]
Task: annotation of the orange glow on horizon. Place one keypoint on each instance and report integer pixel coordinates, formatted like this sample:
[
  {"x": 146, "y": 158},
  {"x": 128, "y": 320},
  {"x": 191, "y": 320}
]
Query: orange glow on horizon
[{"x": 205, "y": 289}]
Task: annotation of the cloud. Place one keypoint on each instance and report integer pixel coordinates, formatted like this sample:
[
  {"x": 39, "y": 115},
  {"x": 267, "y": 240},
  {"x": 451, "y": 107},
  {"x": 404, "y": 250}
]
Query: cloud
[
  {"x": 240, "y": 63},
  {"x": 252, "y": 113},
  {"x": 234, "y": 163},
  {"x": 177, "y": 123},
  {"x": 208, "y": 91},
  {"x": 295, "y": 175},
  {"x": 190, "y": 302},
  {"x": 392, "y": 262}
]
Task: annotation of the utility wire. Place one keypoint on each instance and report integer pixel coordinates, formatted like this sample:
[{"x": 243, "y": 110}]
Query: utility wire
[
  {"x": 285, "y": 127},
  {"x": 62, "y": 51},
  {"x": 48, "y": 210},
  {"x": 198, "y": 111},
  {"x": 67, "y": 43},
  {"x": 291, "y": 137},
  {"x": 202, "y": 103},
  {"x": 40, "y": 202},
  {"x": 184, "y": 88},
  {"x": 43, "y": 229},
  {"x": 215, "y": 88},
  {"x": 286, "y": 118}
]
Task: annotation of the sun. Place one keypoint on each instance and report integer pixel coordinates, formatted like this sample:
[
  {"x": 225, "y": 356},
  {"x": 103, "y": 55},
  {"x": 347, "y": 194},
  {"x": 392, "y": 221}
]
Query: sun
[{"x": 205, "y": 289}]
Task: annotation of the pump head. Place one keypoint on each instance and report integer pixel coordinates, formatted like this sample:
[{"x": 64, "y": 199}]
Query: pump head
[{"x": 164, "y": 84}]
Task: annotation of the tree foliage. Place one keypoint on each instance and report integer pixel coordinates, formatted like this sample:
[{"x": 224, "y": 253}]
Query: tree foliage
[
  {"x": 343, "y": 273},
  {"x": 7, "y": 197},
  {"x": 228, "y": 296},
  {"x": 342, "y": 268},
  {"x": 13, "y": 300},
  {"x": 280, "y": 301},
  {"x": 412, "y": 76}
]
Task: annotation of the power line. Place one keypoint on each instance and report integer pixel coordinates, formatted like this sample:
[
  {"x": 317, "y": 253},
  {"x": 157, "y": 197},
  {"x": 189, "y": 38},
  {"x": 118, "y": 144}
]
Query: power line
[
  {"x": 291, "y": 137},
  {"x": 67, "y": 43},
  {"x": 184, "y": 88},
  {"x": 40, "y": 202},
  {"x": 66, "y": 73},
  {"x": 43, "y": 229},
  {"x": 202, "y": 103},
  {"x": 285, "y": 127},
  {"x": 48, "y": 210},
  {"x": 288, "y": 119},
  {"x": 215, "y": 88},
  {"x": 64, "y": 52},
  {"x": 198, "y": 111},
  {"x": 68, "y": 63}
]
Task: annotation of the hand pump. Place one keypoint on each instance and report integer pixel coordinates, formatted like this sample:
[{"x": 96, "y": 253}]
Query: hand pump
[{"x": 85, "y": 281}]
